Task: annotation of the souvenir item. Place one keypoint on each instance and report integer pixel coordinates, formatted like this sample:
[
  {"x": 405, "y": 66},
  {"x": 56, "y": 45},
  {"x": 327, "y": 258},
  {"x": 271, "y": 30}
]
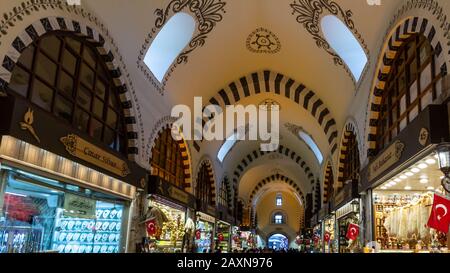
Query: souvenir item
[
  {"x": 106, "y": 213},
  {"x": 117, "y": 237},
  {"x": 67, "y": 248},
  {"x": 105, "y": 226},
  {"x": 64, "y": 225},
  {"x": 61, "y": 248},
  {"x": 90, "y": 236},
  {"x": 88, "y": 249},
  {"x": 91, "y": 225},
  {"x": 84, "y": 225},
  {"x": 96, "y": 249},
  {"x": 113, "y": 214},
  {"x": 75, "y": 248},
  {"x": 78, "y": 225},
  {"x": 119, "y": 214},
  {"x": 112, "y": 226},
  {"x": 62, "y": 237},
  {"x": 83, "y": 237},
  {"x": 117, "y": 227},
  {"x": 70, "y": 225},
  {"x": 76, "y": 236},
  {"x": 81, "y": 249},
  {"x": 69, "y": 237},
  {"x": 116, "y": 249},
  {"x": 111, "y": 249},
  {"x": 98, "y": 213},
  {"x": 98, "y": 225},
  {"x": 97, "y": 237},
  {"x": 111, "y": 237},
  {"x": 104, "y": 249}
]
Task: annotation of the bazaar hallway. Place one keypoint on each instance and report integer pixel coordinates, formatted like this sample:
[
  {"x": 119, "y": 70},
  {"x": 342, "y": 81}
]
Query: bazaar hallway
[{"x": 218, "y": 126}]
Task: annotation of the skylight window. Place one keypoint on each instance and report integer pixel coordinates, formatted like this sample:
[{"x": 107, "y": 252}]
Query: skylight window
[
  {"x": 169, "y": 43},
  {"x": 312, "y": 145},
  {"x": 226, "y": 147},
  {"x": 342, "y": 40}
]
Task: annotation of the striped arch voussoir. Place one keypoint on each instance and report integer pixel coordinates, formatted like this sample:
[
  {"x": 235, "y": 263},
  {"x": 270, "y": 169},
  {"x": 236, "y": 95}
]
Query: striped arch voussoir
[
  {"x": 284, "y": 151},
  {"x": 49, "y": 24},
  {"x": 209, "y": 167},
  {"x": 349, "y": 132},
  {"x": 328, "y": 183},
  {"x": 279, "y": 84}
]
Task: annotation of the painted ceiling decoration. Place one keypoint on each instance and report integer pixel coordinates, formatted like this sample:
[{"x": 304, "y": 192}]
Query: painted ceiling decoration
[
  {"x": 404, "y": 30},
  {"x": 286, "y": 152},
  {"x": 276, "y": 178},
  {"x": 207, "y": 12},
  {"x": 263, "y": 41},
  {"x": 279, "y": 84},
  {"x": 310, "y": 12}
]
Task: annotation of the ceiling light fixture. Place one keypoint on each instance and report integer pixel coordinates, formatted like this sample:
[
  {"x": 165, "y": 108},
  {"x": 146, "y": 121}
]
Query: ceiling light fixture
[
  {"x": 403, "y": 177},
  {"x": 397, "y": 180},
  {"x": 430, "y": 161},
  {"x": 423, "y": 181},
  {"x": 423, "y": 166},
  {"x": 430, "y": 188},
  {"x": 408, "y": 188},
  {"x": 415, "y": 170},
  {"x": 409, "y": 174}
]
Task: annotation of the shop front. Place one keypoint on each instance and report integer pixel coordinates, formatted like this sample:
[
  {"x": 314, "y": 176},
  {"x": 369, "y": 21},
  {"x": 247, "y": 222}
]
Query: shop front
[
  {"x": 402, "y": 182},
  {"x": 58, "y": 191},
  {"x": 347, "y": 210},
  {"x": 316, "y": 233},
  {"x": 328, "y": 222},
  {"x": 243, "y": 238},
  {"x": 223, "y": 236},
  {"x": 204, "y": 233},
  {"x": 169, "y": 217}
]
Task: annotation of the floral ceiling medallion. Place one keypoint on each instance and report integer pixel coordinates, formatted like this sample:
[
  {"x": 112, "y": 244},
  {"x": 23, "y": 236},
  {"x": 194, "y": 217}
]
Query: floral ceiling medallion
[
  {"x": 310, "y": 12},
  {"x": 263, "y": 41}
]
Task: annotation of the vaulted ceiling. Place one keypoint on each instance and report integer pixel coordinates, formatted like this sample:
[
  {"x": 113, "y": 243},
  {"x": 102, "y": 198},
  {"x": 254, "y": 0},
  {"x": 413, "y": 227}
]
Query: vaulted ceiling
[{"x": 226, "y": 57}]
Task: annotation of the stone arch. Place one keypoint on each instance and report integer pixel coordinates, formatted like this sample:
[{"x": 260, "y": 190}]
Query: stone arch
[
  {"x": 403, "y": 30},
  {"x": 276, "y": 83},
  {"x": 56, "y": 23},
  {"x": 350, "y": 131}
]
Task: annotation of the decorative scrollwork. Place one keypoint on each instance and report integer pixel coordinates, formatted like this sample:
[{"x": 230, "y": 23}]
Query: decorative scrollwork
[
  {"x": 309, "y": 13},
  {"x": 208, "y": 14}
]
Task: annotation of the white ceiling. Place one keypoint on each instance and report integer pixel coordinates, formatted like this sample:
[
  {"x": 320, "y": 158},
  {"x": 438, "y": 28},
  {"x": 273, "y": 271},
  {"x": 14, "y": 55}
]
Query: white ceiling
[{"x": 224, "y": 59}]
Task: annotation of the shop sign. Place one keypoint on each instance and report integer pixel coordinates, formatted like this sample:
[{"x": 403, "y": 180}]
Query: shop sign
[
  {"x": 205, "y": 217},
  {"x": 340, "y": 197},
  {"x": 211, "y": 210},
  {"x": 179, "y": 195},
  {"x": 388, "y": 158},
  {"x": 423, "y": 136},
  {"x": 84, "y": 150},
  {"x": 79, "y": 207}
]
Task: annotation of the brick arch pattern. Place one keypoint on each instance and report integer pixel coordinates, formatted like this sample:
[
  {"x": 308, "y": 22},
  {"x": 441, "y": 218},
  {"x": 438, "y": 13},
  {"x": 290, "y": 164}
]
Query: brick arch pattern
[
  {"x": 276, "y": 178},
  {"x": 350, "y": 131},
  {"x": 403, "y": 31},
  {"x": 328, "y": 183},
  {"x": 279, "y": 84},
  {"x": 49, "y": 24}
]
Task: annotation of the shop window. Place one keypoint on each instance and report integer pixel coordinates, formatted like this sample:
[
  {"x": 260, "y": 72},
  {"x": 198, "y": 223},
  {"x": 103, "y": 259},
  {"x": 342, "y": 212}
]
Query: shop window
[
  {"x": 410, "y": 87},
  {"x": 169, "y": 43},
  {"x": 344, "y": 43},
  {"x": 63, "y": 74},
  {"x": 167, "y": 159},
  {"x": 204, "y": 189},
  {"x": 351, "y": 163},
  {"x": 38, "y": 216}
]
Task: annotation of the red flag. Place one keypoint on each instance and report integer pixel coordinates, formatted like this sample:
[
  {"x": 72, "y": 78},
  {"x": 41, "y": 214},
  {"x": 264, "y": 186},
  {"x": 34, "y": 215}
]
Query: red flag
[
  {"x": 327, "y": 237},
  {"x": 352, "y": 232},
  {"x": 440, "y": 214},
  {"x": 151, "y": 227},
  {"x": 220, "y": 237},
  {"x": 198, "y": 234}
]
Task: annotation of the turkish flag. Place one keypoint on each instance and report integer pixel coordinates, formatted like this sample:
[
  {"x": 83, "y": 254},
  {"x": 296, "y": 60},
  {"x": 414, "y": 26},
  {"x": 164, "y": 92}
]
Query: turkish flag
[
  {"x": 151, "y": 227},
  {"x": 440, "y": 214},
  {"x": 327, "y": 237},
  {"x": 352, "y": 232},
  {"x": 198, "y": 234},
  {"x": 220, "y": 237}
]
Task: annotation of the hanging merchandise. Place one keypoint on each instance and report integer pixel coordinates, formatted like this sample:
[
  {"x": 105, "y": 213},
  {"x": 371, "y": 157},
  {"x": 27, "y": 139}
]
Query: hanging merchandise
[
  {"x": 198, "y": 234},
  {"x": 352, "y": 232},
  {"x": 327, "y": 237},
  {"x": 151, "y": 227},
  {"x": 440, "y": 216}
]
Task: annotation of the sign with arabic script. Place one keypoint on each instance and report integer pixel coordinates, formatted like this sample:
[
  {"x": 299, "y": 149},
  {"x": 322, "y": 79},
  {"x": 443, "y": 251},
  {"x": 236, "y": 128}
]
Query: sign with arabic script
[
  {"x": 84, "y": 150},
  {"x": 388, "y": 158}
]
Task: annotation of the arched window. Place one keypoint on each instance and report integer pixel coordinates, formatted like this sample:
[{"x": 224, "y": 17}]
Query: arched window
[
  {"x": 65, "y": 75},
  {"x": 169, "y": 43},
  {"x": 278, "y": 218},
  {"x": 351, "y": 163},
  {"x": 409, "y": 89},
  {"x": 279, "y": 200},
  {"x": 204, "y": 190},
  {"x": 223, "y": 194},
  {"x": 167, "y": 159},
  {"x": 312, "y": 145},
  {"x": 342, "y": 40}
]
